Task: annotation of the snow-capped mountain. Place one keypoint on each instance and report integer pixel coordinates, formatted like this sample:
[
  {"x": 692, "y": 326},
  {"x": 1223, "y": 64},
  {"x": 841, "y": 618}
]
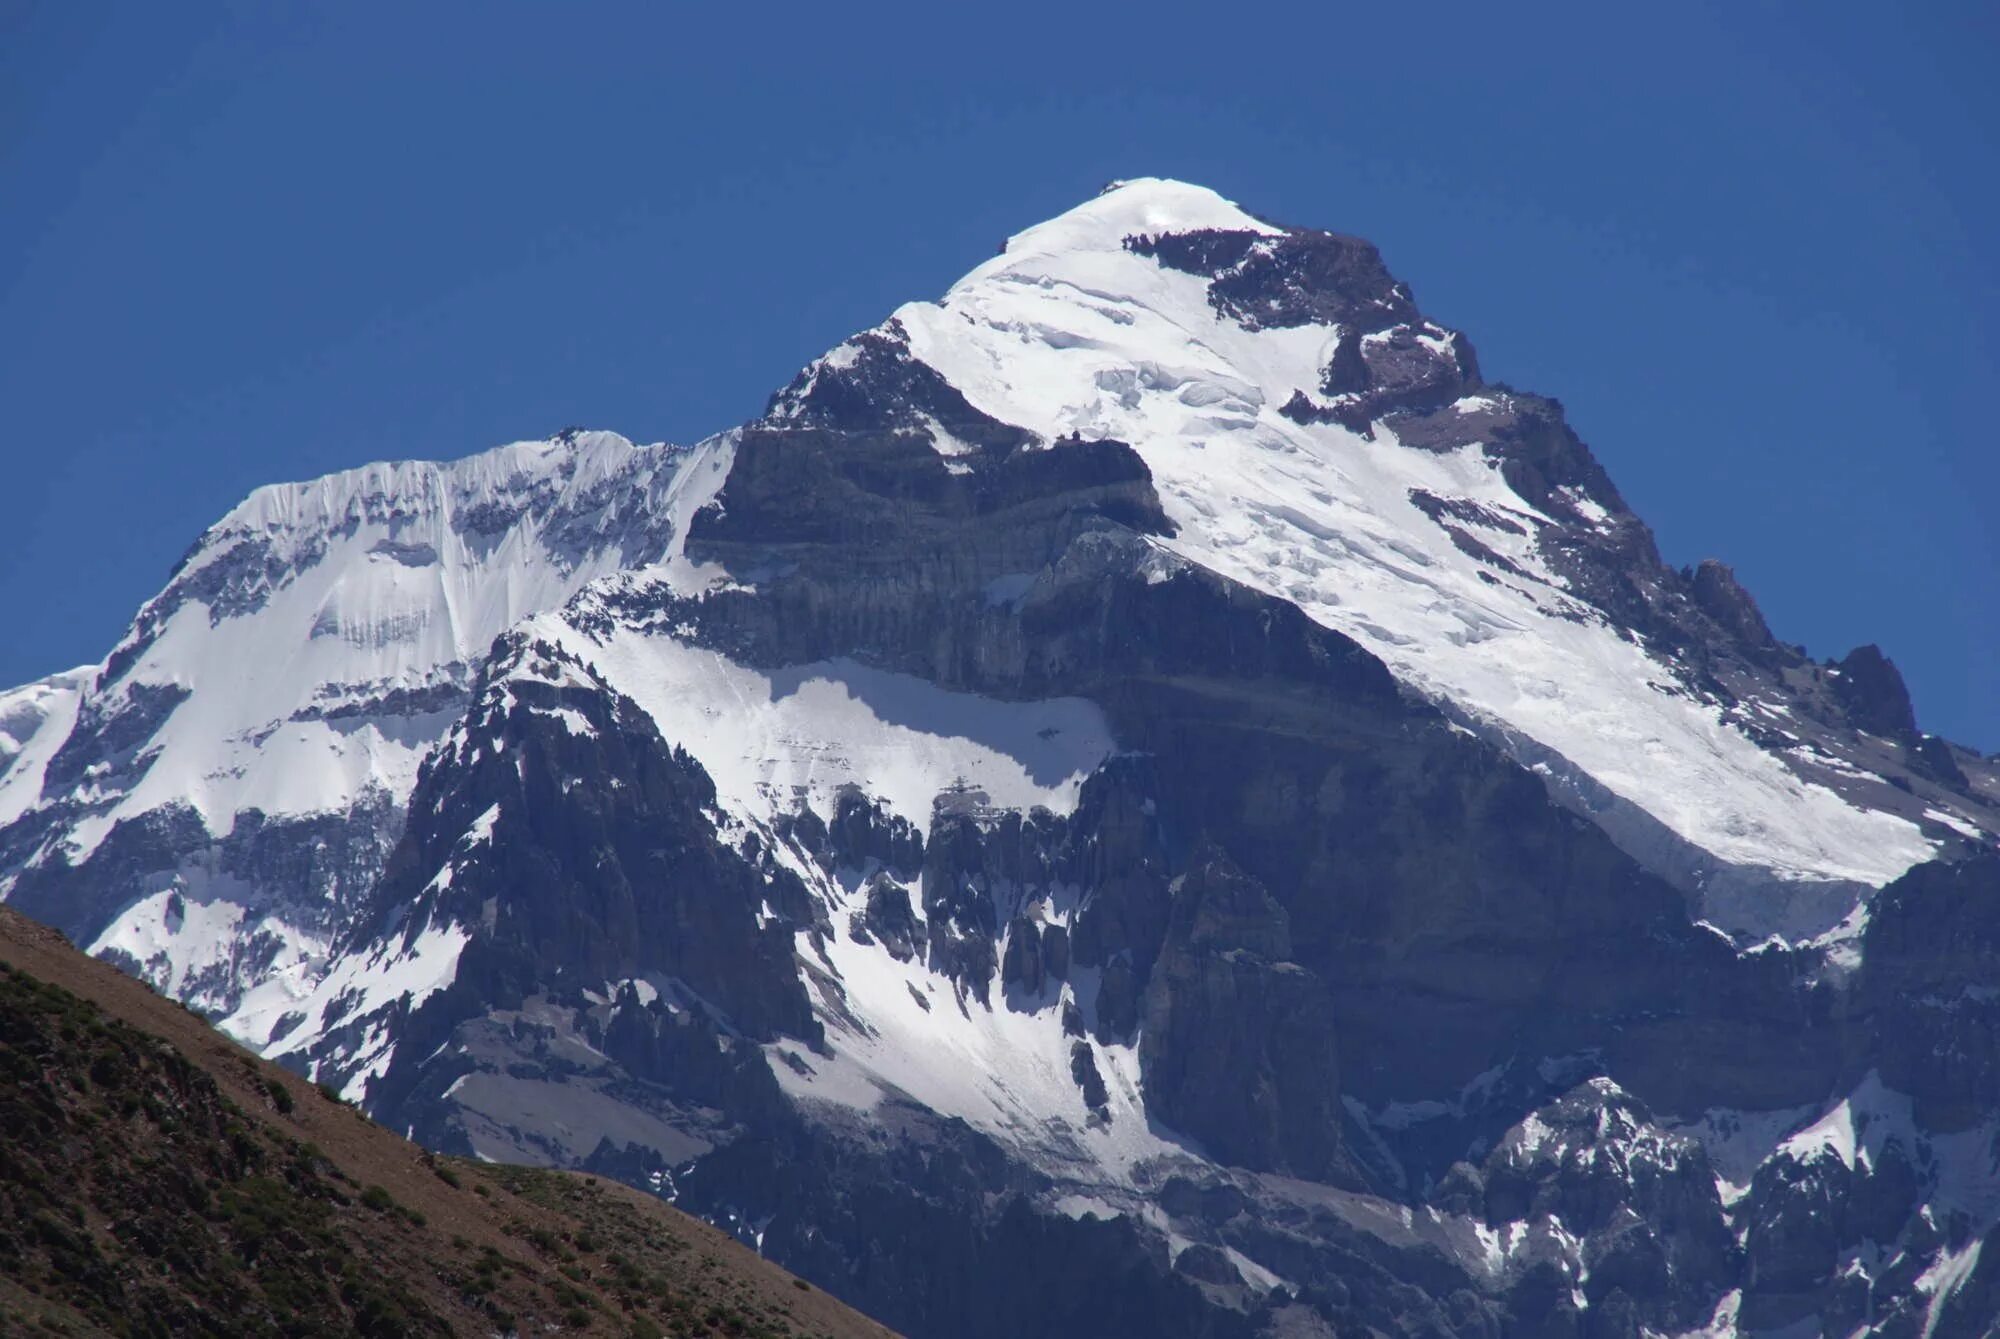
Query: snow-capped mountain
[
  {"x": 1143, "y": 796},
  {"x": 206, "y": 805},
  {"x": 1326, "y": 444}
]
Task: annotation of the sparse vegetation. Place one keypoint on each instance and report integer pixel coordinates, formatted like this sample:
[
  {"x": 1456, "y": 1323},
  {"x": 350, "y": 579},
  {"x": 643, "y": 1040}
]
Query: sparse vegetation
[
  {"x": 215, "y": 1216},
  {"x": 143, "y": 1192}
]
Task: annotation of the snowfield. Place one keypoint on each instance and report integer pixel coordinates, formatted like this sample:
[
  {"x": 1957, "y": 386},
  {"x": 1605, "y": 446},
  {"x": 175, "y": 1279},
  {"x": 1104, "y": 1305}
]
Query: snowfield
[
  {"x": 1069, "y": 332},
  {"x": 310, "y": 650}
]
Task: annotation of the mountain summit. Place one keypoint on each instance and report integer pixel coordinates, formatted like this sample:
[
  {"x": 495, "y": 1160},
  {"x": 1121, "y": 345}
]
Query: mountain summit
[
  {"x": 1144, "y": 796},
  {"x": 1456, "y": 529}
]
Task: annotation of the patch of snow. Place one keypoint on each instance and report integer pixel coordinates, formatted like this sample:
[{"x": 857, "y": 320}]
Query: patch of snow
[
  {"x": 1002, "y": 1069},
  {"x": 1586, "y": 506},
  {"x": 1956, "y": 824},
  {"x": 405, "y": 970},
  {"x": 1739, "y": 1142},
  {"x": 1943, "y": 1278},
  {"x": 573, "y": 721},
  {"x": 188, "y": 940},
  {"x": 768, "y": 739},
  {"x": 481, "y": 828},
  {"x": 35, "y": 719},
  {"x": 1857, "y": 1128},
  {"x": 1085, "y": 1206},
  {"x": 1722, "y": 1322},
  {"x": 1833, "y": 1133}
]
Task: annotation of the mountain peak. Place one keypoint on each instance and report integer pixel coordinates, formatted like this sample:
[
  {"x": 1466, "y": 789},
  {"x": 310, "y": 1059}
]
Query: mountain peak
[
  {"x": 1312, "y": 435},
  {"x": 1140, "y": 206}
]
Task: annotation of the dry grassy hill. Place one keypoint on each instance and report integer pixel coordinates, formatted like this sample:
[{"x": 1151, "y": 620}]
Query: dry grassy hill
[{"x": 157, "y": 1179}]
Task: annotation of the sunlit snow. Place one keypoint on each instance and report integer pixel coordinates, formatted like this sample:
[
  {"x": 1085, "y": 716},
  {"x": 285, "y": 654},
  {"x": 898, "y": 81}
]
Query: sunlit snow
[{"x": 1068, "y": 332}]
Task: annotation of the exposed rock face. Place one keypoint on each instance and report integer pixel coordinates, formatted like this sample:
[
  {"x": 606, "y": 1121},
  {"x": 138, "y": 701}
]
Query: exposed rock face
[
  {"x": 203, "y": 918},
  {"x": 917, "y": 1218},
  {"x": 1238, "y": 1042},
  {"x": 1293, "y": 278},
  {"x": 567, "y": 849},
  {"x": 1591, "y": 1194},
  {"x": 890, "y": 919},
  {"x": 1929, "y": 990},
  {"x": 1872, "y": 690},
  {"x": 1967, "y": 1308},
  {"x": 1718, "y": 594}
]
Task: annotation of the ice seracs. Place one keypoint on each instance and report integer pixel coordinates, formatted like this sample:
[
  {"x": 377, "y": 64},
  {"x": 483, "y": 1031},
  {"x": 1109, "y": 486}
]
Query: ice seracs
[
  {"x": 281, "y": 691},
  {"x": 308, "y": 624}
]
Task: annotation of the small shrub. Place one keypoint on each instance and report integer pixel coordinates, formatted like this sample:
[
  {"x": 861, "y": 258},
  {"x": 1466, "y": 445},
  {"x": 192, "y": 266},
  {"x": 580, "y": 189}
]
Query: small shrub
[
  {"x": 448, "y": 1176},
  {"x": 281, "y": 1096},
  {"x": 802, "y": 1285},
  {"x": 378, "y": 1199}
]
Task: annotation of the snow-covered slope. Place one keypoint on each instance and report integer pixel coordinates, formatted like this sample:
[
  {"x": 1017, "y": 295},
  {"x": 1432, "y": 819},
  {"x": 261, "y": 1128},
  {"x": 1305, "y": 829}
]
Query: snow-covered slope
[
  {"x": 799, "y": 738},
  {"x": 308, "y": 651},
  {"x": 308, "y": 601},
  {"x": 34, "y": 720},
  {"x": 1429, "y": 557}
]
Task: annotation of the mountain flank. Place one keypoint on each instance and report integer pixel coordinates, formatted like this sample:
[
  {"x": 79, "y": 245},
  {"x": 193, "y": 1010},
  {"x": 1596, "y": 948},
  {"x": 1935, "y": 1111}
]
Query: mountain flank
[
  {"x": 1144, "y": 796},
  {"x": 157, "y": 1179}
]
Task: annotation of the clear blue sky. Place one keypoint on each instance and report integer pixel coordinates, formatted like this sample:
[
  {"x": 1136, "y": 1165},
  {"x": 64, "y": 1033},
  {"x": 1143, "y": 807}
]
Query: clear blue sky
[{"x": 1750, "y": 246}]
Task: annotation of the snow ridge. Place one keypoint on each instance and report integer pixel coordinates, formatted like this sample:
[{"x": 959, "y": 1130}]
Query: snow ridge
[{"x": 309, "y": 650}]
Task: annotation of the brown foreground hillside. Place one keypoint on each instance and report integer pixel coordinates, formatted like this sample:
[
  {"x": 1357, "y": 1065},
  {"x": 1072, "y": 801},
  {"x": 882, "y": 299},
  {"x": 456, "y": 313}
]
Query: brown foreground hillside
[{"x": 157, "y": 1179}]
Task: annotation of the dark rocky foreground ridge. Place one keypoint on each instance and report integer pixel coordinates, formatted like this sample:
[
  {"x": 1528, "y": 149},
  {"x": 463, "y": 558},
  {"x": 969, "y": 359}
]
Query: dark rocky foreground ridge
[
  {"x": 158, "y": 1180},
  {"x": 1319, "y": 1006}
]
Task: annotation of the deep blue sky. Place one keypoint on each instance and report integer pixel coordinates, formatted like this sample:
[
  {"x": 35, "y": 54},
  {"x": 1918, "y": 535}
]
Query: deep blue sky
[{"x": 1749, "y": 246}]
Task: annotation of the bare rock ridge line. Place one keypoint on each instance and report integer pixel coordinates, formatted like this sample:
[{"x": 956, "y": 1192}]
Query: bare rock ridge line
[{"x": 1144, "y": 796}]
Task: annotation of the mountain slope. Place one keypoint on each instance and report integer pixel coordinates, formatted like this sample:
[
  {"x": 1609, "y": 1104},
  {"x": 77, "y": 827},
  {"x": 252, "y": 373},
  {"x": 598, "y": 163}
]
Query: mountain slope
[
  {"x": 158, "y": 1179},
  {"x": 1315, "y": 437},
  {"x": 208, "y": 805},
  {"x": 1147, "y": 797}
]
